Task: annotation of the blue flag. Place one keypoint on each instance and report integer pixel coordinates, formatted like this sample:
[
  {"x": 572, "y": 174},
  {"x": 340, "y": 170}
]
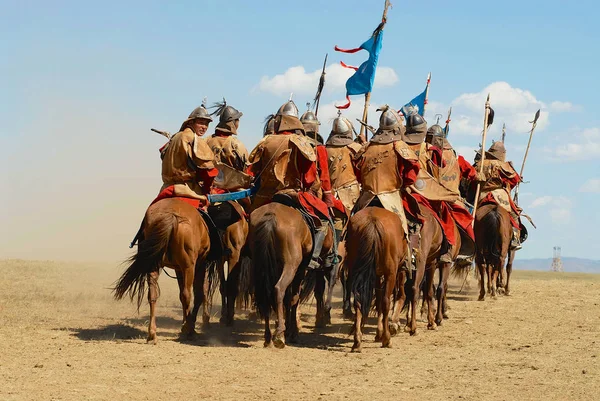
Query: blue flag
[
  {"x": 417, "y": 105},
  {"x": 361, "y": 82}
]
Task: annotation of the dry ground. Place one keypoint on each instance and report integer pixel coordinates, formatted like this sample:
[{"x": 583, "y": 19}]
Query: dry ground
[{"x": 62, "y": 337}]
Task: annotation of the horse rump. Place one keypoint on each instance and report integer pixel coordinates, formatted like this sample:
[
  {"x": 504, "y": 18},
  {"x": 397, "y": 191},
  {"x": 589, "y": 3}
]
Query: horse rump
[
  {"x": 264, "y": 259},
  {"x": 147, "y": 259}
]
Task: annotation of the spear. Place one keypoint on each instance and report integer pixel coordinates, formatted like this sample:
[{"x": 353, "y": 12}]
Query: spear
[
  {"x": 426, "y": 93},
  {"x": 447, "y": 127},
  {"x": 534, "y": 124},
  {"x": 503, "y": 131},
  {"x": 368, "y": 94},
  {"x": 485, "y": 128},
  {"x": 320, "y": 88}
]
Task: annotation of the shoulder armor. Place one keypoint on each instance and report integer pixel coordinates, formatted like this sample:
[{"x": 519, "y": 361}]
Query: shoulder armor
[
  {"x": 304, "y": 146},
  {"x": 257, "y": 151},
  {"x": 202, "y": 151},
  {"x": 355, "y": 147},
  {"x": 405, "y": 151}
]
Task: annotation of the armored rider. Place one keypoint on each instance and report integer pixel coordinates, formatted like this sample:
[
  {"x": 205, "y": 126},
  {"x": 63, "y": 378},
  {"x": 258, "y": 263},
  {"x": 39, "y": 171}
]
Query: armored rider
[{"x": 285, "y": 163}]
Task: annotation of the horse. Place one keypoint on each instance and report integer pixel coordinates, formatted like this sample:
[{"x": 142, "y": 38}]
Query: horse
[
  {"x": 493, "y": 233},
  {"x": 315, "y": 281},
  {"x": 280, "y": 243},
  {"x": 175, "y": 236},
  {"x": 231, "y": 220},
  {"x": 442, "y": 287},
  {"x": 427, "y": 257},
  {"x": 375, "y": 249}
]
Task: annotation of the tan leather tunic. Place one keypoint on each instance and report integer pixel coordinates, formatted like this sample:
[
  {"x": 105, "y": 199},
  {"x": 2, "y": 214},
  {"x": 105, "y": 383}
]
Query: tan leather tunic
[
  {"x": 229, "y": 150},
  {"x": 184, "y": 154}
]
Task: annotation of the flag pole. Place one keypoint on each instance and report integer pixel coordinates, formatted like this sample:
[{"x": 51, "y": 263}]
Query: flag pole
[
  {"x": 368, "y": 94},
  {"x": 534, "y": 122},
  {"x": 485, "y": 127},
  {"x": 447, "y": 128},
  {"x": 426, "y": 93}
]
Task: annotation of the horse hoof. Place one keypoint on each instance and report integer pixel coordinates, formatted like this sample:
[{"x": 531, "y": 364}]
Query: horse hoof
[
  {"x": 377, "y": 338},
  {"x": 481, "y": 298},
  {"x": 445, "y": 315},
  {"x": 438, "y": 322},
  {"x": 393, "y": 329},
  {"x": 357, "y": 348},
  {"x": 432, "y": 326},
  {"x": 319, "y": 324},
  {"x": 279, "y": 342},
  {"x": 267, "y": 344},
  {"x": 413, "y": 332},
  {"x": 507, "y": 293},
  {"x": 205, "y": 320},
  {"x": 406, "y": 329},
  {"x": 151, "y": 339},
  {"x": 387, "y": 345},
  {"x": 348, "y": 315}
]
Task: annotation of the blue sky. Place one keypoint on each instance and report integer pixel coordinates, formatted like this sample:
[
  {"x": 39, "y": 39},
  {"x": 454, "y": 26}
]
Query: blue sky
[{"x": 83, "y": 83}]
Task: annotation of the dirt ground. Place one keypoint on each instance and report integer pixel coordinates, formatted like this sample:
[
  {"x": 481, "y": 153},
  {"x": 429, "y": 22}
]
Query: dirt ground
[{"x": 62, "y": 337}]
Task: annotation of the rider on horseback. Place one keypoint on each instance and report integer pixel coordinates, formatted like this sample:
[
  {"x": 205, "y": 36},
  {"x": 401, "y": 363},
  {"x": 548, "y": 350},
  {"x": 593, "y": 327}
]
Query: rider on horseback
[
  {"x": 453, "y": 169},
  {"x": 286, "y": 164},
  {"x": 384, "y": 166},
  {"x": 228, "y": 149},
  {"x": 500, "y": 178},
  {"x": 188, "y": 168},
  {"x": 341, "y": 149}
]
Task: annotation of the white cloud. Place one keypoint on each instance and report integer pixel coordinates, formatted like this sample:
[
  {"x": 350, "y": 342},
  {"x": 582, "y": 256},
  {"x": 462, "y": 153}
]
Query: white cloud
[
  {"x": 298, "y": 80},
  {"x": 561, "y": 107},
  {"x": 513, "y": 106},
  {"x": 585, "y": 146},
  {"x": 592, "y": 185},
  {"x": 557, "y": 207}
]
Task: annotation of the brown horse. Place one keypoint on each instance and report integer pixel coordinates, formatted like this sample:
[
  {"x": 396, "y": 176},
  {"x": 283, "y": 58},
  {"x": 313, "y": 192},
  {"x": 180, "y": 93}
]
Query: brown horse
[
  {"x": 427, "y": 257},
  {"x": 493, "y": 233},
  {"x": 375, "y": 250},
  {"x": 280, "y": 243},
  {"x": 442, "y": 287},
  {"x": 176, "y": 236},
  {"x": 234, "y": 239}
]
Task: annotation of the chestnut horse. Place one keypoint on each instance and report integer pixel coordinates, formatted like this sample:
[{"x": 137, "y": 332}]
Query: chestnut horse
[
  {"x": 493, "y": 233},
  {"x": 175, "y": 236},
  {"x": 427, "y": 258},
  {"x": 280, "y": 243},
  {"x": 375, "y": 249}
]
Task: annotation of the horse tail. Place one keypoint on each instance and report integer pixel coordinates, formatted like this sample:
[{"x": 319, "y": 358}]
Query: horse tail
[
  {"x": 308, "y": 285},
  {"x": 147, "y": 259},
  {"x": 363, "y": 276},
  {"x": 492, "y": 245},
  {"x": 245, "y": 281},
  {"x": 264, "y": 259}
]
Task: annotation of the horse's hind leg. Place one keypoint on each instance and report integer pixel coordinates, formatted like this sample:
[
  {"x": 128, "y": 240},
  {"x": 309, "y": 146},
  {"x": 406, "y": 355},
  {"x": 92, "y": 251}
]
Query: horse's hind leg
[
  {"x": 223, "y": 290},
  {"x": 441, "y": 292},
  {"x": 332, "y": 278},
  {"x": 428, "y": 296},
  {"x": 388, "y": 289},
  {"x": 481, "y": 268},
  {"x": 399, "y": 299},
  {"x": 152, "y": 298},
  {"x": 291, "y": 323},
  {"x": 280, "y": 289},
  {"x": 185, "y": 296},
  {"x": 511, "y": 256},
  {"x": 495, "y": 270},
  {"x": 346, "y": 294},
  {"x": 319, "y": 296},
  {"x": 358, "y": 318}
]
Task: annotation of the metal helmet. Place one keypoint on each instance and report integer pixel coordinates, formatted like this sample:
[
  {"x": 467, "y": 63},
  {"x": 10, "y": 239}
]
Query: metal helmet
[
  {"x": 310, "y": 122},
  {"x": 436, "y": 130},
  {"x": 289, "y": 108},
  {"x": 416, "y": 129},
  {"x": 389, "y": 119},
  {"x": 341, "y": 131},
  {"x": 227, "y": 116},
  {"x": 287, "y": 119},
  {"x": 199, "y": 112},
  {"x": 496, "y": 151}
]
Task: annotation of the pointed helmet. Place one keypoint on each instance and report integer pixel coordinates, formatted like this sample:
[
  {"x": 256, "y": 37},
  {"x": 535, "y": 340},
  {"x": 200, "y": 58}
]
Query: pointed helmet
[
  {"x": 341, "y": 131},
  {"x": 199, "y": 112},
  {"x": 287, "y": 119}
]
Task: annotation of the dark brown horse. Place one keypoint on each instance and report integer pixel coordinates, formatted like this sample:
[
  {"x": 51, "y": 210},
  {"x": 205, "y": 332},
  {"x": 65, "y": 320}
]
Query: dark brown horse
[
  {"x": 427, "y": 257},
  {"x": 375, "y": 249},
  {"x": 176, "y": 236},
  {"x": 493, "y": 233},
  {"x": 442, "y": 287},
  {"x": 280, "y": 243}
]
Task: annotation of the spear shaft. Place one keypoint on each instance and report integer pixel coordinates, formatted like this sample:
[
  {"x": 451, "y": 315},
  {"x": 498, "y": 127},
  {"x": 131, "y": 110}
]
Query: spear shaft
[
  {"x": 320, "y": 87},
  {"x": 534, "y": 122},
  {"x": 503, "y": 132},
  {"x": 485, "y": 127}
]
